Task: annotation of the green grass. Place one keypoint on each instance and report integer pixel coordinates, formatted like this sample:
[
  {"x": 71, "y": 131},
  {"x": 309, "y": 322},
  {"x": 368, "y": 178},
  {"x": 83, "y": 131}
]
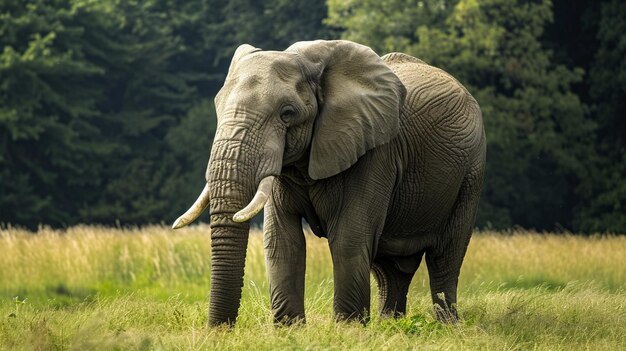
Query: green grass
[{"x": 101, "y": 288}]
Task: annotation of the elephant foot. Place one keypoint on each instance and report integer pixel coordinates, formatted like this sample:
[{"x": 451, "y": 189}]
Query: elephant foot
[
  {"x": 362, "y": 317},
  {"x": 447, "y": 316},
  {"x": 287, "y": 321},
  {"x": 393, "y": 286},
  {"x": 445, "y": 309}
]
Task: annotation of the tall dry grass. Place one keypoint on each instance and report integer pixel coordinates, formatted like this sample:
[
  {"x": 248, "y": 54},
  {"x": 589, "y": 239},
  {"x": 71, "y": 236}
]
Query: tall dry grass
[{"x": 95, "y": 287}]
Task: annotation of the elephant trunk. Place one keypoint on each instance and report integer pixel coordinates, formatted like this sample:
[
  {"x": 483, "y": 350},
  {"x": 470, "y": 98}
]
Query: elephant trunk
[
  {"x": 229, "y": 188},
  {"x": 232, "y": 181},
  {"x": 229, "y": 241}
]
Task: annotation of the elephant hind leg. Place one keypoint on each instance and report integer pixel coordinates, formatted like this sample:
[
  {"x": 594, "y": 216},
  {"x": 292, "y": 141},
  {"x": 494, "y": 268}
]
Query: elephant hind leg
[
  {"x": 444, "y": 262},
  {"x": 393, "y": 280}
]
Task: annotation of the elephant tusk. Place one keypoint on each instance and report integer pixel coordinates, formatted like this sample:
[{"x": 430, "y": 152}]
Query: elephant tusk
[
  {"x": 195, "y": 210},
  {"x": 258, "y": 201}
]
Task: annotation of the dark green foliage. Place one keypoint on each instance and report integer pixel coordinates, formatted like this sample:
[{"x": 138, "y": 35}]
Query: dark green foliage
[
  {"x": 275, "y": 24},
  {"x": 105, "y": 111},
  {"x": 48, "y": 108},
  {"x": 605, "y": 188},
  {"x": 190, "y": 144},
  {"x": 89, "y": 101},
  {"x": 591, "y": 35}
]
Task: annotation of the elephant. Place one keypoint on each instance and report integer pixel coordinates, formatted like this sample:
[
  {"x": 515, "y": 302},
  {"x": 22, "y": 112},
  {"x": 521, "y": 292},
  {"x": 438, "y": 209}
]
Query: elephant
[{"x": 383, "y": 156}]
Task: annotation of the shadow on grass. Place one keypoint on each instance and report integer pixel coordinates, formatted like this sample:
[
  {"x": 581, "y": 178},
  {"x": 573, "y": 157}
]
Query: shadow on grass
[
  {"x": 56, "y": 295},
  {"x": 527, "y": 283}
]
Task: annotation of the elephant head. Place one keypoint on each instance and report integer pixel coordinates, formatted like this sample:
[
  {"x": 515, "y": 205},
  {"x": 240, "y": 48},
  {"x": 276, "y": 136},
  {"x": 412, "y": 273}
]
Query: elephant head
[{"x": 321, "y": 102}]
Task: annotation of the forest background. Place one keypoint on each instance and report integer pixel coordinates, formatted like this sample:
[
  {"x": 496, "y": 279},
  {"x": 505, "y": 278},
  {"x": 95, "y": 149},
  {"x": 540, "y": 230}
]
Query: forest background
[{"x": 106, "y": 112}]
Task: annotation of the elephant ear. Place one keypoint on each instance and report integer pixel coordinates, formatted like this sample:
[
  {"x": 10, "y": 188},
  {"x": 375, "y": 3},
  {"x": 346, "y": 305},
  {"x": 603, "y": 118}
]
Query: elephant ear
[{"x": 359, "y": 103}]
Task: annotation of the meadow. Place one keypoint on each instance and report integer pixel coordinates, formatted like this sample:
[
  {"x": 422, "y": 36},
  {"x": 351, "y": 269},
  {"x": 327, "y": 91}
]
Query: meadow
[{"x": 146, "y": 288}]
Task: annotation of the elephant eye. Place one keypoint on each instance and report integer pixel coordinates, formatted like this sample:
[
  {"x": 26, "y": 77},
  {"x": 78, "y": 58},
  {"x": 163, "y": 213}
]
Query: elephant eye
[{"x": 287, "y": 113}]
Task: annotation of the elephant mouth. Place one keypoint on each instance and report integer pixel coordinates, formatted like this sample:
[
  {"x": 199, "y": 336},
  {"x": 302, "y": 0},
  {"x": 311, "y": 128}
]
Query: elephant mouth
[{"x": 253, "y": 208}]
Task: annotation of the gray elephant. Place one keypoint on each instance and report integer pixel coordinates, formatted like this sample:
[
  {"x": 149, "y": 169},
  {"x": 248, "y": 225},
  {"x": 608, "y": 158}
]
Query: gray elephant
[{"x": 383, "y": 156}]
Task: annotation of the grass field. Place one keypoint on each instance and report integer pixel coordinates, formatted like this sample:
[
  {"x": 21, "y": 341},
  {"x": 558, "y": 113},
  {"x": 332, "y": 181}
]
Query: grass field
[{"x": 102, "y": 288}]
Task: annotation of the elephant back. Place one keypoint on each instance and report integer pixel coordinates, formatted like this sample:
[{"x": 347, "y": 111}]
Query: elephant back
[
  {"x": 435, "y": 104},
  {"x": 426, "y": 81},
  {"x": 399, "y": 57}
]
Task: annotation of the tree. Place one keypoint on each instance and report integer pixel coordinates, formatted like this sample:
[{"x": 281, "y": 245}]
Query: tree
[
  {"x": 605, "y": 188},
  {"x": 275, "y": 24},
  {"x": 47, "y": 111},
  {"x": 144, "y": 96},
  {"x": 88, "y": 96}
]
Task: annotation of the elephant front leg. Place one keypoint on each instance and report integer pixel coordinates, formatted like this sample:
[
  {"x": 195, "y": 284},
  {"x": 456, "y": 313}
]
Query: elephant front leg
[
  {"x": 285, "y": 254},
  {"x": 351, "y": 271},
  {"x": 355, "y": 213}
]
